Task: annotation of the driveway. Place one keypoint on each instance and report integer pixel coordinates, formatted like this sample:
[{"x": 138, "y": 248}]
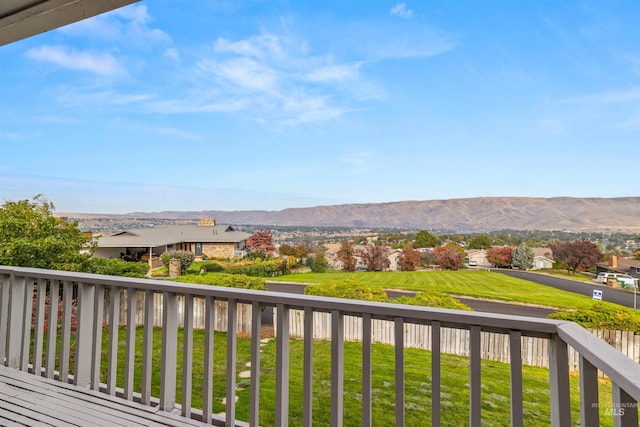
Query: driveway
[{"x": 617, "y": 296}]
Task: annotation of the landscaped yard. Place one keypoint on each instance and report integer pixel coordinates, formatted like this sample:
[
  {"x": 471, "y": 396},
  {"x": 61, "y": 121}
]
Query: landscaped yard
[
  {"x": 470, "y": 283},
  {"x": 455, "y": 379}
]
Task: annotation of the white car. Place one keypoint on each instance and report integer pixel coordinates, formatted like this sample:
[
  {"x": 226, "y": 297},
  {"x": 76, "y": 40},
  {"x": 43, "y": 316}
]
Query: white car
[{"x": 626, "y": 280}]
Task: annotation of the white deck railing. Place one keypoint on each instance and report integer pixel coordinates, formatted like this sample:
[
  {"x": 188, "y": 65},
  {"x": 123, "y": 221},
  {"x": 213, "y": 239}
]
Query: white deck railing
[{"x": 25, "y": 319}]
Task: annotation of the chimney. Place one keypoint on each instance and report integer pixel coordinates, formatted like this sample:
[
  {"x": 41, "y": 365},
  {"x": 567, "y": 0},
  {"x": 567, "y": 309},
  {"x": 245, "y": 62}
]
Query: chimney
[{"x": 613, "y": 261}]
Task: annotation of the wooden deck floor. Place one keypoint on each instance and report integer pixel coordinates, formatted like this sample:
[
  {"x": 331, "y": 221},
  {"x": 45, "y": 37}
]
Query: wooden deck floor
[{"x": 26, "y": 399}]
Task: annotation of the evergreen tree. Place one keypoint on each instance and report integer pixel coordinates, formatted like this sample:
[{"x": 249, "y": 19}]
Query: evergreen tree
[{"x": 522, "y": 257}]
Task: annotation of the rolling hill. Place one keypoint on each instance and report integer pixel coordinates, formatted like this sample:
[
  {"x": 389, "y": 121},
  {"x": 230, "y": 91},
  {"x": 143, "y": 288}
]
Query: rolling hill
[{"x": 472, "y": 214}]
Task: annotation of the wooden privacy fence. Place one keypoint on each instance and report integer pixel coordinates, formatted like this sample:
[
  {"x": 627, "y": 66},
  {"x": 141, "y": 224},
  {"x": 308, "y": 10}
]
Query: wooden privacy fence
[{"x": 495, "y": 346}]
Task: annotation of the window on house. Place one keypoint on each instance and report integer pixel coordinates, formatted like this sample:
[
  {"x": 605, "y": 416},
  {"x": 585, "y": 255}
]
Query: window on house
[{"x": 198, "y": 249}]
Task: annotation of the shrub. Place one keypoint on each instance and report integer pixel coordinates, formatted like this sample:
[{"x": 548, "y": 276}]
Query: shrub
[
  {"x": 211, "y": 267},
  {"x": 114, "y": 267},
  {"x": 602, "y": 316},
  {"x": 226, "y": 280},
  {"x": 432, "y": 299},
  {"x": 267, "y": 268},
  {"x": 186, "y": 258},
  {"x": 350, "y": 288}
]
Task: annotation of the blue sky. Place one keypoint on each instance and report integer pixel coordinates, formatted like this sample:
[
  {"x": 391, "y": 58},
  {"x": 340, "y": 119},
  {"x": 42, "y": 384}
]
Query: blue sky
[{"x": 235, "y": 105}]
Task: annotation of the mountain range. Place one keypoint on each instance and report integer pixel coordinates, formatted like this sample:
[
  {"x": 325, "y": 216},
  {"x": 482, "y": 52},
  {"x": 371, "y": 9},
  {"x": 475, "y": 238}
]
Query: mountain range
[{"x": 621, "y": 214}]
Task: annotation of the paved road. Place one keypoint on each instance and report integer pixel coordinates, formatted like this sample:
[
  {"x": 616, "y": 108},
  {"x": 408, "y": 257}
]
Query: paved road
[
  {"x": 617, "y": 296},
  {"x": 506, "y": 308}
]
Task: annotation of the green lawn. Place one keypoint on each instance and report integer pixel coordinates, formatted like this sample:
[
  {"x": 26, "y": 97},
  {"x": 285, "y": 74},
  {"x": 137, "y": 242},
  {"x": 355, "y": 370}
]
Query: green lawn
[
  {"x": 471, "y": 283},
  {"x": 455, "y": 378}
]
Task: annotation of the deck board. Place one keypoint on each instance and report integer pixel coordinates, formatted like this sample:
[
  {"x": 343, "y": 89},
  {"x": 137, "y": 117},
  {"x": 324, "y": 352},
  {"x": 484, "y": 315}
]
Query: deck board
[{"x": 27, "y": 399}]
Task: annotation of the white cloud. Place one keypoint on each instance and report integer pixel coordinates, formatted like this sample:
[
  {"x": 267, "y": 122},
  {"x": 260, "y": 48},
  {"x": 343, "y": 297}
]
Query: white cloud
[
  {"x": 611, "y": 97},
  {"x": 242, "y": 73},
  {"x": 172, "y": 54},
  {"x": 99, "y": 63},
  {"x": 131, "y": 23},
  {"x": 402, "y": 11},
  {"x": 260, "y": 46},
  {"x": 338, "y": 73}
]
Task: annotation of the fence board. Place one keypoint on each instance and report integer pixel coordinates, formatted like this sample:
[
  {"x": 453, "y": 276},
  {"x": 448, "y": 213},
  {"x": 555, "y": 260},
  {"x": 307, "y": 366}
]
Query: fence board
[{"x": 495, "y": 346}]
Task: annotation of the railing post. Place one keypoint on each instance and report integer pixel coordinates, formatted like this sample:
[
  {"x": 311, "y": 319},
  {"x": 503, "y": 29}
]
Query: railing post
[
  {"x": 366, "y": 370},
  {"x": 209, "y": 327},
  {"x": 435, "y": 373},
  {"x": 559, "y": 382},
  {"x": 624, "y": 408},
  {"x": 515, "y": 359},
  {"x": 65, "y": 336},
  {"x": 84, "y": 332},
  {"x": 130, "y": 347},
  {"x": 307, "y": 401},
  {"x": 187, "y": 355},
  {"x": 169, "y": 351},
  {"x": 475, "y": 381},
  {"x": 337, "y": 368},
  {"x": 147, "y": 352},
  {"x": 589, "y": 413},
  {"x": 4, "y": 315},
  {"x": 399, "y": 369},
  {"x": 26, "y": 325},
  {"x": 38, "y": 333},
  {"x": 16, "y": 318},
  {"x": 256, "y": 321},
  {"x": 54, "y": 294},
  {"x": 98, "y": 319},
  {"x": 232, "y": 326},
  {"x": 282, "y": 366},
  {"x": 114, "y": 325}
]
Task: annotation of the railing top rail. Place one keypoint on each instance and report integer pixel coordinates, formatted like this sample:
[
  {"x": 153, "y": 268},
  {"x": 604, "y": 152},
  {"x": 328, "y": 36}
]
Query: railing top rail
[
  {"x": 449, "y": 318},
  {"x": 622, "y": 370}
]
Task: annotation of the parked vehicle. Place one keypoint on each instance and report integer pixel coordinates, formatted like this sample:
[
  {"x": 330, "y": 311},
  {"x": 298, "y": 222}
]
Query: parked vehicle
[{"x": 625, "y": 280}]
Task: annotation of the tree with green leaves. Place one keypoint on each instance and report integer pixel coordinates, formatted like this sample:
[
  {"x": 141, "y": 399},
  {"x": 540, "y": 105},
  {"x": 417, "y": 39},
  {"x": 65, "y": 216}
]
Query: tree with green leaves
[
  {"x": 32, "y": 236},
  {"x": 480, "y": 242},
  {"x": 522, "y": 257},
  {"x": 424, "y": 239},
  {"x": 317, "y": 263}
]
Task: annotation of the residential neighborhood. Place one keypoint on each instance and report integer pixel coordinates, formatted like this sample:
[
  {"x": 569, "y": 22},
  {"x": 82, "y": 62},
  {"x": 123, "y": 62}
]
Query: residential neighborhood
[{"x": 205, "y": 239}]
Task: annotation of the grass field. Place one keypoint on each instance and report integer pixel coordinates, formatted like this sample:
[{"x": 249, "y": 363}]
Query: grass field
[
  {"x": 470, "y": 283},
  {"x": 455, "y": 378}
]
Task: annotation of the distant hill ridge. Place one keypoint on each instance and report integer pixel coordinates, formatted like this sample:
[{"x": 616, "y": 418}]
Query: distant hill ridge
[{"x": 470, "y": 214}]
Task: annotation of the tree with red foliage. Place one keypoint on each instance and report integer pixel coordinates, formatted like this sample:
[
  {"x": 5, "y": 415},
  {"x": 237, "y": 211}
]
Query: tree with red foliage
[
  {"x": 375, "y": 257},
  {"x": 410, "y": 258},
  {"x": 579, "y": 255},
  {"x": 448, "y": 258},
  {"x": 500, "y": 256},
  {"x": 261, "y": 241},
  {"x": 347, "y": 256}
]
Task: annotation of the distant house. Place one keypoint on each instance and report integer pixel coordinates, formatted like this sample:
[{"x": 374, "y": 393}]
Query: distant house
[
  {"x": 620, "y": 265},
  {"x": 478, "y": 258},
  {"x": 204, "y": 239},
  {"x": 542, "y": 258}
]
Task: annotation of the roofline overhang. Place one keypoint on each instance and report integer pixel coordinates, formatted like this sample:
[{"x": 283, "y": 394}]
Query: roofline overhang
[{"x": 20, "y": 19}]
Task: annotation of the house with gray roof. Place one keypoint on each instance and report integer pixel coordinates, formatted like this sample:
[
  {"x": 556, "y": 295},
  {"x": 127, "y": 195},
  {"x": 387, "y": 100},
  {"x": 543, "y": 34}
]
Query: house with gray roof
[{"x": 203, "y": 239}]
